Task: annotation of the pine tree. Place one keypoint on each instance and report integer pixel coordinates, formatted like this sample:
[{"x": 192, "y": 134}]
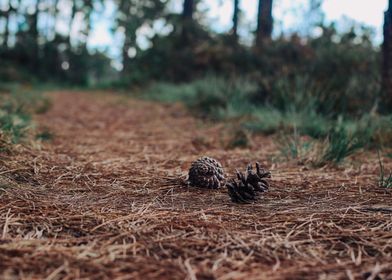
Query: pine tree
[
  {"x": 236, "y": 12},
  {"x": 6, "y": 15},
  {"x": 188, "y": 9},
  {"x": 264, "y": 22},
  {"x": 187, "y": 20},
  {"x": 386, "y": 102}
]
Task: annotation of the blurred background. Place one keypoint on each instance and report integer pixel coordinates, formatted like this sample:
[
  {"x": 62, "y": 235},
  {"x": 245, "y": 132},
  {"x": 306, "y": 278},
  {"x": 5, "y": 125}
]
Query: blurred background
[{"x": 271, "y": 65}]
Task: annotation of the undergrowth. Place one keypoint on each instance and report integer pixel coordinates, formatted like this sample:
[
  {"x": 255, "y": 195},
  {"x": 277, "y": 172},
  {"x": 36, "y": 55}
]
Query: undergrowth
[
  {"x": 297, "y": 106},
  {"x": 385, "y": 179},
  {"x": 212, "y": 97},
  {"x": 295, "y": 146},
  {"x": 16, "y": 109},
  {"x": 339, "y": 145},
  {"x": 14, "y": 121}
]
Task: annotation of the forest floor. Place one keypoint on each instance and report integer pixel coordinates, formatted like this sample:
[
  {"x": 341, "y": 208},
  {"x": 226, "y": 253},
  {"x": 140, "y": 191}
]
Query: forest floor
[{"x": 104, "y": 200}]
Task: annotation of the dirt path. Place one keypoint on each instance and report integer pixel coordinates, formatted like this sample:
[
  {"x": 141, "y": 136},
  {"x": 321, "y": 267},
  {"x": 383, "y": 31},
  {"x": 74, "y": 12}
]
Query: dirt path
[{"x": 106, "y": 202}]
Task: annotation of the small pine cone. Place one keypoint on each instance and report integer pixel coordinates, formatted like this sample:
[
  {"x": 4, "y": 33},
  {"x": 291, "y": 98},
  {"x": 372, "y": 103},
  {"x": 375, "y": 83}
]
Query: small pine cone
[
  {"x": 240, "y": 193},
  {"x": 258, "y": 180},
  {"x": 206, "y": 173},
  {"x": 248, "y": 185}
]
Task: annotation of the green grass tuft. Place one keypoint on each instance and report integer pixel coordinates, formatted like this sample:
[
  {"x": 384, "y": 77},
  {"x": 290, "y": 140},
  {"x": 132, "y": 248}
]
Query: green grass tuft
[
  {"x": 16, "y": 109},
  {"x": 14, "y": 121},
  {"x": 339, "y": 145},
  {"x": 385, "y": 180},
  {"x": 294, "y": 146},
  {"x": 212, "y": 97},
  {"x": 45, "y": 135}
]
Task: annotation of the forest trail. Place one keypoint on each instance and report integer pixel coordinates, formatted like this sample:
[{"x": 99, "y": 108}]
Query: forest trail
[{"x": 106, "y": 202}]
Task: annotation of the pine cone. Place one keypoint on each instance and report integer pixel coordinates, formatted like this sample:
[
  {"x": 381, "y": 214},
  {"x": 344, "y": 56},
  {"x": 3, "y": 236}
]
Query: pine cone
[
  {"x": 247, "y": 187},
  {"x": 206, "y": 173},
  {"x": 258, "y": 180},
  {"x": 240, "y": 193}
]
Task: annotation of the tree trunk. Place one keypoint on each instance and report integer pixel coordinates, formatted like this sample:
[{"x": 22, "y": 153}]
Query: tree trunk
[
  {"x": 34, "y": 33},
  {"x": 235, "y": 18},
  {"x": 187, "y": 12},
  {"x": 264, "y": 22},
  {"x": 54, "y": 12},
  {"x": 386, "y": 102},
  {"x": 124, "y": 7},
  {"x": 88, "y": 10},
  {"x": 6, "y": 34},
  {"x": 187, "y": 20},
  {"x": 126, "y": 60},
  {"x": 73, "y": 14},
  {"x": 34, "y": 22}
]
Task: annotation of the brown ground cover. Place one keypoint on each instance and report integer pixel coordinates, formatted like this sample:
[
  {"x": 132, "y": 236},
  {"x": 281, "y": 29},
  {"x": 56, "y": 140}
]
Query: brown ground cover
[{"x": 104, "y": 200}]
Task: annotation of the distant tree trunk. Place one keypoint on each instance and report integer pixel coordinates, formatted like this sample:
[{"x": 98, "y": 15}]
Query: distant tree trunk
[
  {"x": 88, "y": 10},
  {"x": 126, "y": 60},
  {"x": 187, "y": 17},
  {"x": 264, "y": 22},
  {"x": 54, "y": 12},
  {"x": 236, "y": 12},
  {"x": 386, "y": 102},
  {"x": 34, "y": 22},
  {"x": 34, "y": 33},
  {"x": 6, "y": 16},
  {"x": 188, "y": 9},
  {"x": 73, "y": 14},
  {"x": 129, "y": 35}
]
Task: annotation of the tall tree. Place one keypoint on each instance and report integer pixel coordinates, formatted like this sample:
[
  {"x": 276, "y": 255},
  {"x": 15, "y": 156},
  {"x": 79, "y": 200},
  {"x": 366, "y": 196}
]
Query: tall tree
[
  {"x": 188, "y": 9},
  {"x": 6, "y": 15},
  {"x": 386, "y": 103},
  {"x": 264, "y": 21},
  {"x": 34, "y": 19},
  {"x": 187, "y": 19},
  {"x": 71, "y": 20},
  {"x": 88, "y": 9},
  {"x": 127, "y": 23},
  {"x": 236, "y": 12},
  {"x": 34, "y": 33}
]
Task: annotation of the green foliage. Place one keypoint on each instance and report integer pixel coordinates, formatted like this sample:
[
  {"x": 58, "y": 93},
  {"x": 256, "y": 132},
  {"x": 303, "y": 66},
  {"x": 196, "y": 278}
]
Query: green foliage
[
  {"x": 297, "y": 103},
  {"x": 169, "y": 93},
  {"x": 294, "y": 146},
  {"x": 294, "y": 94},
  {"x": 292, "y": 111},
  {"x": 333, "y": 149},
  {"x": 270, "y": 120},
  {"x": 238, "y": 137},
  {"x": 267, "y": 120},
  {"x": 44, "y": 135},
  {"x": 339, "y": 145},
  {"x": 385, "y": 180},
  {"x": 15, "y": 112},
  {"x": 295, "y": 107},
  {"x": 333, "y": 74},
  {"x": 14, "y": 121},
  {"x": 217, "y": 98},
  {"x": 212, "y": 97}
]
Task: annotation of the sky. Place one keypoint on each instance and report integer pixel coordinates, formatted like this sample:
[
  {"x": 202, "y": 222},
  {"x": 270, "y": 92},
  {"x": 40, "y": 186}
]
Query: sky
[{"x": 288, "y": 15}]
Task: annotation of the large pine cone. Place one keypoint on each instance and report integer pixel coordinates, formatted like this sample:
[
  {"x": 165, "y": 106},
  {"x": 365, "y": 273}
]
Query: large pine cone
[{"x": 206, "y": 173}]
